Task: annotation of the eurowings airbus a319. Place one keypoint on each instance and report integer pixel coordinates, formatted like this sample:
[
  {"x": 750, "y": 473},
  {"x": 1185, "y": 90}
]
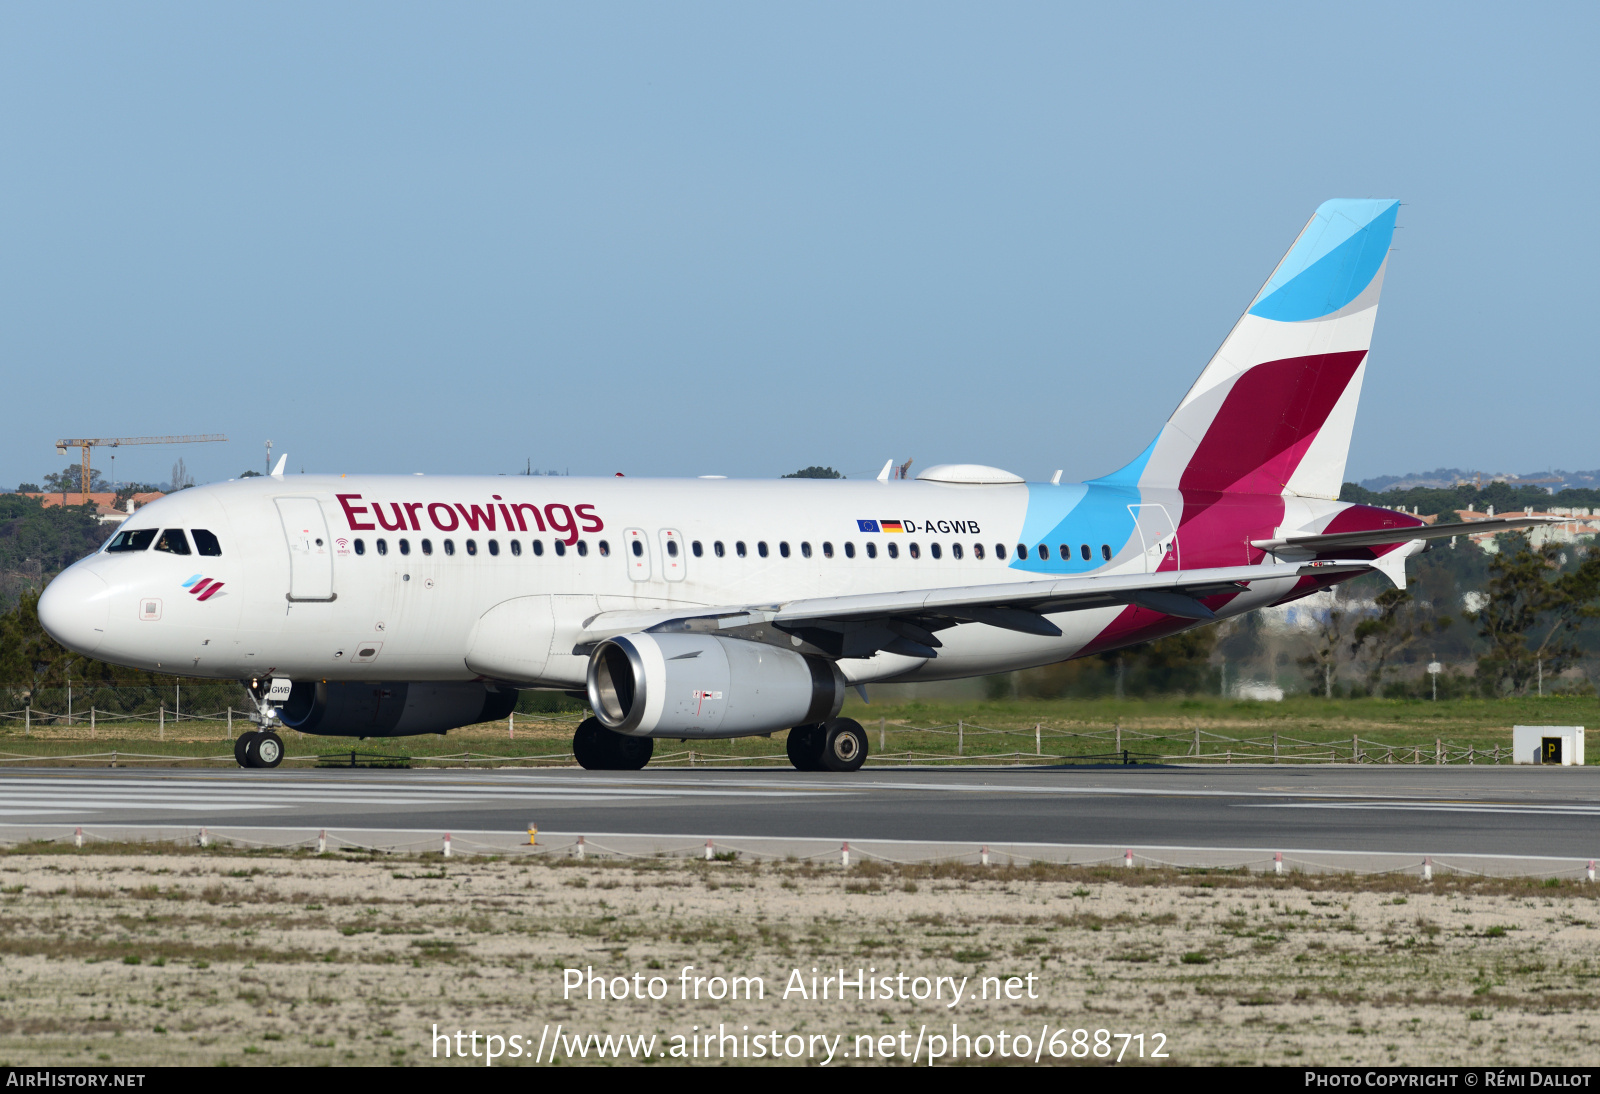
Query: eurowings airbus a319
[{"x": 376, "y": 606}]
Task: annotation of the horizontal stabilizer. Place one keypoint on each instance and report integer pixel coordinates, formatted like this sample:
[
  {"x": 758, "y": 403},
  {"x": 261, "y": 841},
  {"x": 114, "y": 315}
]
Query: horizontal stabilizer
[{"x": 1378, "y": 537}]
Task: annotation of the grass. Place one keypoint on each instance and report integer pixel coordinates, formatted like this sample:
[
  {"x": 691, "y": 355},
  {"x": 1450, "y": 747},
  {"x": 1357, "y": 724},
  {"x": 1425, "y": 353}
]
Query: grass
[{"x": 1390, "y": 730}]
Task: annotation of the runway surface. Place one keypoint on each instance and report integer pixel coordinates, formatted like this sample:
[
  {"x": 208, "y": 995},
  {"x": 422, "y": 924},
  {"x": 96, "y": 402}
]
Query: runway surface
[{"x": 1518, "y": 811}]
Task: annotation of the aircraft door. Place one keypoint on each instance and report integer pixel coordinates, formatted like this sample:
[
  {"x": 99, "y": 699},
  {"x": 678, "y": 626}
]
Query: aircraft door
[
  {"x": 636, "y": 549},
  {"x": 672, "y": 554},
  {"x": 1159, "y": 536},
  {"x": 310, "y": 553}
]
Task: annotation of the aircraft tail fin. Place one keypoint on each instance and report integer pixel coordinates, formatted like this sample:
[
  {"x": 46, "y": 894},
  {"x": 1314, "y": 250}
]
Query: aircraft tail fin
[{"x": 1273, "y": 411}]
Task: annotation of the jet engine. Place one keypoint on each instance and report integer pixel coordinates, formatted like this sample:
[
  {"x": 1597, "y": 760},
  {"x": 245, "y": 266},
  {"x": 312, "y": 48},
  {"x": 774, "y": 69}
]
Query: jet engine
[
  {"x": 701, "y": 685},
  {"x": 391, "y": 710}
]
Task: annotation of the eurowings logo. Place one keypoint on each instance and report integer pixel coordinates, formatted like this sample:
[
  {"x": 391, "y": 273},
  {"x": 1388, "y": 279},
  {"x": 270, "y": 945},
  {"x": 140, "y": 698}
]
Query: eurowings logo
[{"x": 202, "y": 588}]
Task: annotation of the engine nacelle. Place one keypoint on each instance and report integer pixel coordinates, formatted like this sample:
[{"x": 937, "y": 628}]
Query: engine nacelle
[
  {"x": 701, "y": 685},
  {"x": 391, "y": 710}
]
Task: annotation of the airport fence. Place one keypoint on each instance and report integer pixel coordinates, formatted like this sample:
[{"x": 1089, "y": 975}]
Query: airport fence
[{"x": 960, "y": 742}]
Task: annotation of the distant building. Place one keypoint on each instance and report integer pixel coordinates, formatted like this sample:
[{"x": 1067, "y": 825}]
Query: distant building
[
  {"x": 1580, "y": 523},
  {"x": 105, "y": 506}
]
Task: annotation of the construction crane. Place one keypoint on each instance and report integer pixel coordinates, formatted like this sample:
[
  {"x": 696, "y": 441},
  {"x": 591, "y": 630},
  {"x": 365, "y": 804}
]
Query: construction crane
[{"x": 87, "y": 443}]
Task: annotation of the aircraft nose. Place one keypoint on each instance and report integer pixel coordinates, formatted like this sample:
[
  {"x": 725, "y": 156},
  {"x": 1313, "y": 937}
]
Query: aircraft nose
[{"x": 75, "y": 608}]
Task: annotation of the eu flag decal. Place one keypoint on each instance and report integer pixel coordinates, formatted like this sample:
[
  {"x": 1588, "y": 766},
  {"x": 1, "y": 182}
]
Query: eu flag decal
[{"x": 867, "y": 525}]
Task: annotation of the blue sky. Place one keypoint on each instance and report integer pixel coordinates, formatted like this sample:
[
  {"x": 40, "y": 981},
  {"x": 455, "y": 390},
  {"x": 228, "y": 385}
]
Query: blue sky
[{"x": 742, "y": 238}]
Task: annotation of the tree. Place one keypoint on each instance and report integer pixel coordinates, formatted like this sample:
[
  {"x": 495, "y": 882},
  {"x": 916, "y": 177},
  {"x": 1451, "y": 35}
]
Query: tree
[
  {"x": 1533, "y": 612},
  {"x": 815, "y": 473},
  {"x": 28, "y": 488},
  {"x": 1380, "y": 638},
  {"x": 1327, "y": 645},
  {"x": 250, "y": 474},
  {"x": 181, "y": 479},
  {"x": 69, "y": 480}
]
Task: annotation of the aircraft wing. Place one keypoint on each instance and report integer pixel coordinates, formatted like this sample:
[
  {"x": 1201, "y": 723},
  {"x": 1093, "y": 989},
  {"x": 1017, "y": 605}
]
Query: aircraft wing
[
  {"x": 904, "y": 622},
  {"x": 1377, "y": 537}
]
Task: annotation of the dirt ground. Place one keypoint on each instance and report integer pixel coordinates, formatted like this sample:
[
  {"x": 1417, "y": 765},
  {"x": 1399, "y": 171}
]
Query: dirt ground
[{"x": 128, "y": 957}]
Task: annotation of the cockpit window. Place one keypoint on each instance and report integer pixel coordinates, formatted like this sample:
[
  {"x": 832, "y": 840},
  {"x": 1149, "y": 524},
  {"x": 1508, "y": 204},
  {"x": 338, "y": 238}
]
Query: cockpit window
[
  {"x": 205, "y": 543},
  {"x": 132, "y": 540},
  {"x": 174, "y": 541}
]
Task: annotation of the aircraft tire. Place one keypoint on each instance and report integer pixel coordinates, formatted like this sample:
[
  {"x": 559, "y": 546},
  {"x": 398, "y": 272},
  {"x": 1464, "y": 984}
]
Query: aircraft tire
[
  {"x": 628, "y": 753},
  {"x": 241, "y": 746},
  {"x": 844, "y": 745},
  {"x": 588, "y": 745},
  {"x": 264, "y": 749},
  {"x": 804, "y": 747}
]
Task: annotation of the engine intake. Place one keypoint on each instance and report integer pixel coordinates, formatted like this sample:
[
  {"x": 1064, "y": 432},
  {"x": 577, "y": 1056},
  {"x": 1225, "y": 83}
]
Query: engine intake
[
  {"x": 391, "y": 710},
  {"x": 700, "y": 685}
]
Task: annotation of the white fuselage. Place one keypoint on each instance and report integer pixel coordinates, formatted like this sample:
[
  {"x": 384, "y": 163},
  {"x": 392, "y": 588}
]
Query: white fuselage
[{"x": 392, "y": 584}]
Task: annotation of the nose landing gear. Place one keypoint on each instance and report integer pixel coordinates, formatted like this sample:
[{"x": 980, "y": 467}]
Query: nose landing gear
[{"x": 258, "y": 748}]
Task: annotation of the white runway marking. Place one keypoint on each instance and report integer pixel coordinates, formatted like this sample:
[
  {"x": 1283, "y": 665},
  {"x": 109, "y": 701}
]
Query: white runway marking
[
  {"x": 1439, "y": 807},
  {"x": 44, "y": 795}
]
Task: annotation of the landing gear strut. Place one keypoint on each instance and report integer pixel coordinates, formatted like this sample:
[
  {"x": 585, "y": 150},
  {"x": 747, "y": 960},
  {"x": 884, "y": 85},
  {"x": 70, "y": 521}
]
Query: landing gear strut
[
  {"x": 597, "y": 748},
  {"x": 839, "y": 745},
  {"x": 259, "y": 747}
]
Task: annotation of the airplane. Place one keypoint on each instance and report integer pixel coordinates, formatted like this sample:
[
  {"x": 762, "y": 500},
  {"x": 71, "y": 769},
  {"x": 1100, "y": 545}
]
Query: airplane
[{"x": 380, "y": 606}]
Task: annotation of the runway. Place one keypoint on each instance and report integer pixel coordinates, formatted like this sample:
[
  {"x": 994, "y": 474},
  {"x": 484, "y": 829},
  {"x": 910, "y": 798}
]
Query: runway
[{"x": 1402, "y": 809}]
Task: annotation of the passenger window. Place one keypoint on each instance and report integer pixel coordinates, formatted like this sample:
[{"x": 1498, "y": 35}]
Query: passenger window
[
  {"x": 738, "y": 548},
  {"x": 360, "y": 546},
  {"x": 894, "y": 549},
  {"x": 933, "y": 549},
  {"x": 672, "y": 548},
  {"x": 783, "y": 548},
  {"x": 1000, "y": 551},
  {"x": 1066, "y": 552},
  {"x": 494, "y": 547},
  {"x": 405, "y": 546},
  {"x": 583, "y": 548},
  {"x": 537, "y": 545},
  {"x": 1105, "y": 551},
  {"x": 699, "y": 551},
  {"x": 449, "y": 546},
  {"x": 1086, "y": 553},
  {"x": 427, "y": 546},
  {"x": 472, "y": 546},
  {"x": 173, "y": 541},
  {"x": 516, "y": 547},
  {"x": 761, "y": 548},
  {"x": 955, "y": 550},
  {"x": 849, "y": 549},
  {"x": 805, "y": 549},
  {"x": 1044, "y": 552},
  {"x": 205, "y": 543},
  {"x": 872, "y": 549},
  {"x": 717, "y": 548},
  {"x": 638, "y": 548},
  {"x": 916, "y": 552},
  {"x": 560, "y": 545},
  {"x": 383, "y": 546},
  {"x": 1022, "y": 551},
  {"x": 977, "y": 551},
  {"x": 827, "y": 549},
  {"x": 132, "y": 541},
  {"x": 605, "y": 549}
]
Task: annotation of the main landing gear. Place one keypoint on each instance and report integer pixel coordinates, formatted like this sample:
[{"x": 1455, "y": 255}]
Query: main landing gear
[
  {"x": 258, "y": 748},
  {"x": 839, "y": 745},
  {"x": 599, "y": 749}
]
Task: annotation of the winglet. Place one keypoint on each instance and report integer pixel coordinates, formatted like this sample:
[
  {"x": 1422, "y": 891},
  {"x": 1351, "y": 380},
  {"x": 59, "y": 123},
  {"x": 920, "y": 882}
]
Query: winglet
[
  {"x": 277, "y": 472},
  {"x": 888, "y": 466}
]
